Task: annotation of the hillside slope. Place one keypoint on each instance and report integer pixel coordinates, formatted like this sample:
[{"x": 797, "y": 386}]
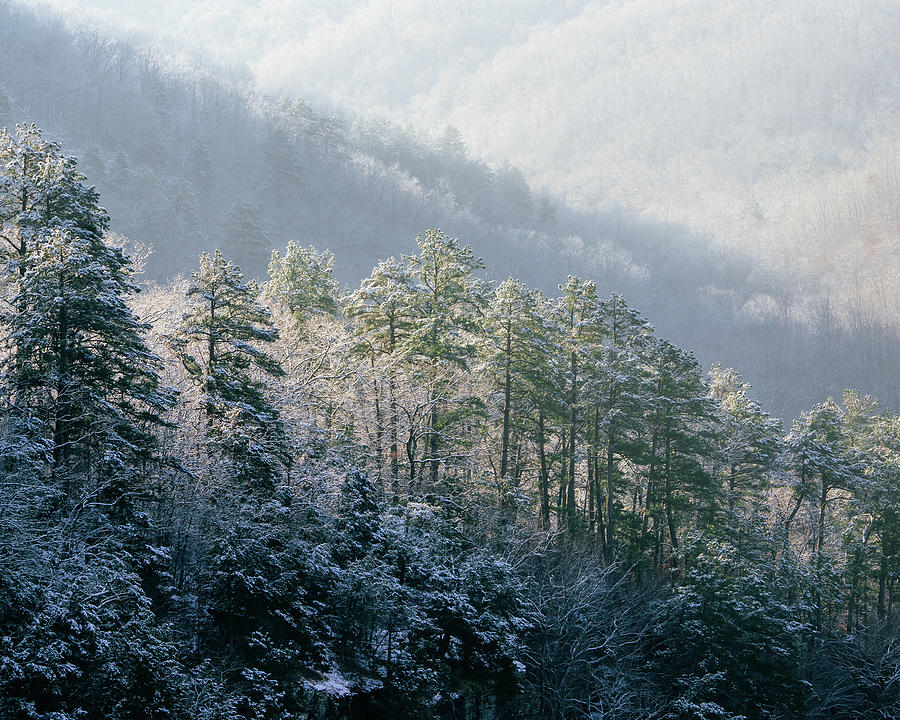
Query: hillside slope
[{"x": 186, "y": 163}]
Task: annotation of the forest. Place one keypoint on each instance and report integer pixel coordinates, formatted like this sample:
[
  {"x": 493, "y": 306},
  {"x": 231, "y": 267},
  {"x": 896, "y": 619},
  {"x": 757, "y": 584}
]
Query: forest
[{"x": 431, "y": 495}]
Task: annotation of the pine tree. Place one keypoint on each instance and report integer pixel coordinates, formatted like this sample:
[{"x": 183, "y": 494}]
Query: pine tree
[
  {"x": 879, "y": 498},
  {"x": 750, "y": 439},
  {"x": 545, "y": 393},
  {"x": 40, "y": 188},
  {"x": 527, "y": 371},
  {"x": 448, "y": 302},
  {"x": 81, "y": 367},
  {"x": 577, "y": 311},
  {"x": 83, "y": 382},
  {"x": 85, "y": 402},
  {"x": 218, "y": 343},
  {"x": 824, "y": 461},
  {"x": 302, "y": 280},
  {"x": 620, "y": 389},
  {"x": 513, "y": 346},
  {"x": 682, "y": 423},
  {"x": 382, "y": 313}
]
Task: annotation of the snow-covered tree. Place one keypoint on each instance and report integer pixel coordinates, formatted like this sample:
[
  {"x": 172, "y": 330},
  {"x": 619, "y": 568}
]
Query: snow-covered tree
[
  {"x": 750, "y": 439},
  {"x": 620, "y": 389},
  {"x": 40, "y": 187},
  {"x": 220, "y": 343},
  {"x": 381, "y": 311},
  {"x": 80, "y": 366},
  {"x": 302, "y": 280},
  {"x": 513, "y": 348},
  {"x": 82, "y": 380},
  {"x": 447, "y": 303}
]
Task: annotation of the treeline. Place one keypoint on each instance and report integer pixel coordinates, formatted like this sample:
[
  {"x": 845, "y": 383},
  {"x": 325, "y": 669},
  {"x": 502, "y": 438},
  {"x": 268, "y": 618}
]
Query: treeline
[{"x": 429, "y": 496}]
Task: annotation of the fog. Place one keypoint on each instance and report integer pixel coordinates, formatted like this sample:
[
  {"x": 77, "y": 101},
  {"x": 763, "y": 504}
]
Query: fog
[
  {"x": 732, "y": 159},
  {"x": 735, "y": 118}
]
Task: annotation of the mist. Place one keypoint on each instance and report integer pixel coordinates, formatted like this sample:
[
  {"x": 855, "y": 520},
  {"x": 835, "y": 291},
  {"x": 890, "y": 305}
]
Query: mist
[{"x": 736, "y": 119}]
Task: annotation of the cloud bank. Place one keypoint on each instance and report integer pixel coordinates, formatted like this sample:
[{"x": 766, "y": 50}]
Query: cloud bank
[{"x": 734, "y": 117}]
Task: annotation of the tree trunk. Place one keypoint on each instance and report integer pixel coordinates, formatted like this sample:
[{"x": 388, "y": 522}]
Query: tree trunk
[
  {"x": 591, "y": 487},
  {"x": 544, "y": 479},
  {"x": 820, "y": 546},
  {"x": 670, "y": 516},
  {"x": 573, "y": 418},
  {"x": 212, "y": 359},
  {"x": 561, "y": 499},
  {"x": 379, "y": 428},
  {"x": 731, "y": 486},
  {"x": 62, "y": 410},
  {"x": 820, "y": 527},
  {"x": 648, "y": 498},
  {"x": 610, "y": 494},
  {"x": 507, "y": 382},
  {"x": 411, "y": 457},
  {"x": 395, "y": 450},
  {"x": 433, "y": 446}
]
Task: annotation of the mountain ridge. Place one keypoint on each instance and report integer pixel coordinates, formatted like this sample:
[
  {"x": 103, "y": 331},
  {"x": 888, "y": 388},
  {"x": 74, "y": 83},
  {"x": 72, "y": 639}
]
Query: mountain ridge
[{"x": 186, "y": 163}]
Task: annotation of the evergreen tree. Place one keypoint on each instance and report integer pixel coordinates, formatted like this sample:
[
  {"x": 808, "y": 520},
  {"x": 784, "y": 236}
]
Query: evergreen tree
[
  {"x": 577, "y": 315},
  {"x": 681, "y": 444},
  {"x": 824, "y": 461},
  {"x": 302, "y": 280},
  {"x": 85, "y": 402},
  {"x": 83, "y": 381},
  {"x": 40, "y": 188},
  {"x": 218, "y": 343},
  {"x": 620, "y": 390},
  {"x": 728, "y": 646},
  {"x": 513, "y": 348},
  {"x": 750, "y": 440},
  {"x": 382, "y": 312},
  {"x": 545, "y": 393},
  {"x": 81, "y": 368},
  {"x": 448, "y": 302}
]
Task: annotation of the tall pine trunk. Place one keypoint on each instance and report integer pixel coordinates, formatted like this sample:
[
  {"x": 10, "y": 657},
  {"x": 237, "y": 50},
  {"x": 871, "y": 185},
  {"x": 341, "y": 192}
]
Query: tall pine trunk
[
  {"x": 544, "y": 480},
  {"x": 573, "y": 420},
  {"x": 670, "y": 514},
  {"x": 610, "y": 494},
  {"x": 507, "y": 393}
]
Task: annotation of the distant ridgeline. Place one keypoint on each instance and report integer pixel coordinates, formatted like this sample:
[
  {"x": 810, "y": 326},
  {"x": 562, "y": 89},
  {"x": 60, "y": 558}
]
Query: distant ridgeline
[
  {"x": 187, "y": 164},
  {"x": 430, "y": 496}
]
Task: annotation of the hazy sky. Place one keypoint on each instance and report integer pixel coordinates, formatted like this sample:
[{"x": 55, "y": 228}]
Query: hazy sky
[{"x": 730, "y": 115}]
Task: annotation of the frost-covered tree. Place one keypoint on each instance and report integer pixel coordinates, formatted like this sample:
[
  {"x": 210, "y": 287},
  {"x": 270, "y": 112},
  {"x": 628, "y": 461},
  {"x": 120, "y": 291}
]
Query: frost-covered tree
[
  {"x": 81, "y": 370},
  {"x": 824, "y": 461},
  {"x": 220, "y": 343},
  {"x": 513, "y": 348},
  {"x": 302, "y": 280},
  {"x": 382, "y": 313},
  {"x": 620, "y": 391},
  {"x": 81, "y": 377},
  {"x": 577, "y": 312},
  {"x": 448, "y": 301},
  {"x": 728, "y": 645},
  {"x": 40, "y": 187},
  {"x": 78, "y": 455},
  {"x": 680, "y": 419},
  {"x": 750, "y": 439}
]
